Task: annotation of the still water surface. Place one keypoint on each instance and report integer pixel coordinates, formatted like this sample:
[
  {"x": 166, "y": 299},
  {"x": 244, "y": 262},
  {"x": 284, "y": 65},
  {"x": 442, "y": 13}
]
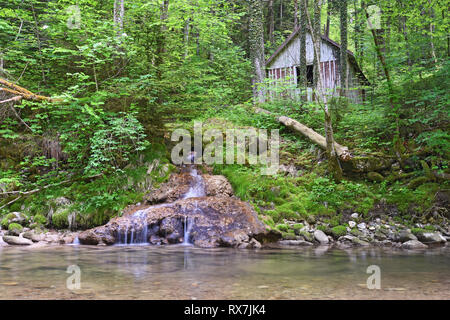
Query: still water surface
[{"x": 180, "y": 272}]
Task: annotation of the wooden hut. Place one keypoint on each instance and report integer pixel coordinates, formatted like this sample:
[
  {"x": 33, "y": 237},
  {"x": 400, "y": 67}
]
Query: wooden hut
[{"x": 283, "y": 70}]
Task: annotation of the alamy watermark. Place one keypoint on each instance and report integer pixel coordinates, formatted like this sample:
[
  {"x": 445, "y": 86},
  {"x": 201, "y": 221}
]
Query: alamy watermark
[
  {"x": 374, "y": 281},
  {"x": 73, "y": 282},
  {"x": 252, "y": 146},
  {"x": 74, "y": 20}
]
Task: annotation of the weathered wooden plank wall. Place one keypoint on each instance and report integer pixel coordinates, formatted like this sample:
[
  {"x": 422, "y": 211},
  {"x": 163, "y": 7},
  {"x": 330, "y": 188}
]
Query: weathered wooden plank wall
[{"x": 284, "y": 66}]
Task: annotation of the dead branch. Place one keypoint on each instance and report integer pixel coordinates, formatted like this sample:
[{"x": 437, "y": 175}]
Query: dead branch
[
  {"x": 27, "y": 193},
  {"x": 13, "y": 99}
]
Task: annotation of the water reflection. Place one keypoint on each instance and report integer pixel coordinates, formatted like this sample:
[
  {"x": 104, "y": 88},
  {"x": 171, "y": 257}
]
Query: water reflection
[{"x": 181, "y": 272}]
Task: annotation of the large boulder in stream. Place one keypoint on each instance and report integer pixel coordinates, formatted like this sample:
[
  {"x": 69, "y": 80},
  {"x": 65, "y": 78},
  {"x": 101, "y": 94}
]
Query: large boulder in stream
[{"x": 205, "y": 221}]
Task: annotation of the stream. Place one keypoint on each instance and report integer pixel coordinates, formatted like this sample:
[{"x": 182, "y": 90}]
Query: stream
[{"x": 187, "y": 272}]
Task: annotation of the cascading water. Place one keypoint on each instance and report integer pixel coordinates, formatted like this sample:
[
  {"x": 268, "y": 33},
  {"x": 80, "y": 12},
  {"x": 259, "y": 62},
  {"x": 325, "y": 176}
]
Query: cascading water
[
  {"x": 198, "y": 187},
  {"x": 136, "y": 230},
  {"x": 196, "y": 190},
  {"x": 187, "y": 230}
]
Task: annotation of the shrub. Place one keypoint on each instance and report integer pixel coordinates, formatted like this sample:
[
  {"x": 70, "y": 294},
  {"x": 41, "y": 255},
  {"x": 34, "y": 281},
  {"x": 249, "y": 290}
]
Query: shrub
[{"x": 4, "y": 223}]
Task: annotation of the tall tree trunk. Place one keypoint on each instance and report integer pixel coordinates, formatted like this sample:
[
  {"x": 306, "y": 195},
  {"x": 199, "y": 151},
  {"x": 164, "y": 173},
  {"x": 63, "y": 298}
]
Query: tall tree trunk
[
  {"x": 281, "y": 15},
  {"x": 384, "y": 65},
  {"x": 186, "y": 37},
  {"x": 38, "y": 39},
  {"x": 405, "y": 34},
  {"x": 119, "y": 12},
  {"x": 302, "y": 63},
  {"x": 256, "y": 40},
  {"x": 161, "y": 38},
  {"x": 316, "y": 30},
  {"x": 334, "y": 166},
  {"x": 327, "y": 25},
  {"x": 271, "y": 19},
  {"x": 295, "y": 14},
  {"x": 344, "y": 45},
  {"x": 433, "y": 52},
  {"x": 357, "y": 29}
]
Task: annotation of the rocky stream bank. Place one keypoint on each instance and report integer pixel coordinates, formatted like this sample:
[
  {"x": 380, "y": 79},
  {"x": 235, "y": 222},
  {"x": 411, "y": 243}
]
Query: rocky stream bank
[{"x": 201, "y": 210}]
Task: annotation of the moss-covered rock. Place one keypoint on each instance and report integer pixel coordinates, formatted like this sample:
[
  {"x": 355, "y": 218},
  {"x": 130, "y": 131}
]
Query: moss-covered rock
[
  {"x": 338, "y": 231},
  {"x": 370, "y": 163},
  {"x": 15, "y": 229},
  {"x": 60, "y": 219},
  {"x": 282, "y": 227},
  {"x": 413, "y": 184},
  {"x": 306, "y": 235},
  {"x": 375, "y": 177},
  {"x": 40, "y": 219}
]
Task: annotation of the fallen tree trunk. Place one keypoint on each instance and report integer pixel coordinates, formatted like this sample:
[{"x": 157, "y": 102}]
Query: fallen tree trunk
[
  {"x": 18, "y": 91},
  {"x": 316, "y": 138}
]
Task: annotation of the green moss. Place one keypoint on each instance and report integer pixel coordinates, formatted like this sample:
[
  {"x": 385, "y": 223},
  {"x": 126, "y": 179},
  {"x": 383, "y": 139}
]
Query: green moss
[
  {"x": 282, "y": 227},
  {"x": 40, "y": 219},
  {"x": 413, "y": 184},
  {"x": 268, "y": 221},
  {"x": 60, "y": 219},
  {"x": 308, "y": 236},
  {"x": 297, "y": 226},
  {"x": 338, "y": 231},
  {"x": 15, "y": 227},
  {"x": 355, "y": 232},
  {"x": 375, "y": 177},
  {"x": 416, "y": 231}
]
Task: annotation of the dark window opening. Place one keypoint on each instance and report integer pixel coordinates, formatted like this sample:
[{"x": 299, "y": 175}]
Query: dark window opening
[{"x": 309, "y": 76}]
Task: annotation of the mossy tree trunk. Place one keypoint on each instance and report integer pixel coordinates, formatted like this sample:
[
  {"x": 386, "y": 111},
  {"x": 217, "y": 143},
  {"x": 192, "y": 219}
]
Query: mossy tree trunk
[
  {"x": 271, "y": 21},
  {"x": 316, "y": 30},
  {"x": 334, "y": 166},
  {"x": 256, "y": 40},
  {"x": 295, "y": 14},
  {"x": 302, "y": 67},
  {"x": 344, "y": 46}
]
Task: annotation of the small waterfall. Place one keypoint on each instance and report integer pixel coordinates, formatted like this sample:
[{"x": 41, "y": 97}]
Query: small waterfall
[
  {"x": 187, "y": 230},
  {"x": 135, "y": 231},
  {"x": 76, "y": 242},
  {"x": 198, "y": 187}
]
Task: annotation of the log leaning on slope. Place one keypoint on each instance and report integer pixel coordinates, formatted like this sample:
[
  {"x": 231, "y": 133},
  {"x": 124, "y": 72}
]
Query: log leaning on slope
[{"x": 318, "y": 139}]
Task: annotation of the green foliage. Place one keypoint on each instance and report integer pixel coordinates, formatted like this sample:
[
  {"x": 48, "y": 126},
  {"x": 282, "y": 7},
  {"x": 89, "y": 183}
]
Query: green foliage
[{"x": 4, "y": 223}]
